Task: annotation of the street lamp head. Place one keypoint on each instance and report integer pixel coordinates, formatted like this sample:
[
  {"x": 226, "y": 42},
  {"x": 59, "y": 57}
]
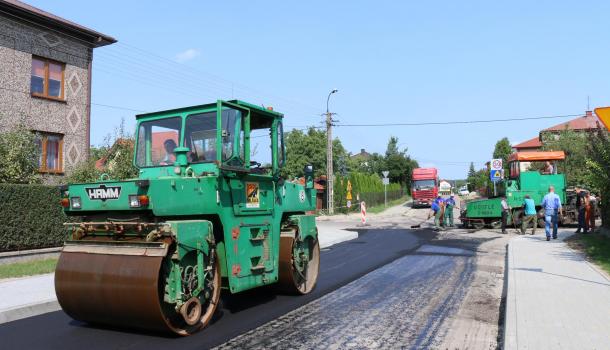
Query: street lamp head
[{"x": 334, "y": 90}]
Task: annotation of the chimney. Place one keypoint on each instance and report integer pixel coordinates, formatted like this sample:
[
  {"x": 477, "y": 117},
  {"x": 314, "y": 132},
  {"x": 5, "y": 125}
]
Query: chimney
[
  {"x": 362, "y": 151},
  {"x": 588, "y": 114}
]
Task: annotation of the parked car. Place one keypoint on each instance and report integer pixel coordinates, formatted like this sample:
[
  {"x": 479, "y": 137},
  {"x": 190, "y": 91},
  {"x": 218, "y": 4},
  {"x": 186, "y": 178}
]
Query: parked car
[{"x": 463, "y": 191}]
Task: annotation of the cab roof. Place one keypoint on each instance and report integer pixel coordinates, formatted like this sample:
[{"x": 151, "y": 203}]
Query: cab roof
[
  {"x": 537, "y": 156},
  {"x": 259, "y": 111}
]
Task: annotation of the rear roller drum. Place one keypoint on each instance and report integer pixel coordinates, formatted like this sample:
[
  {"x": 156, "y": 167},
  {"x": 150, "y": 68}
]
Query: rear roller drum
[{"x": 299, "y": 263}]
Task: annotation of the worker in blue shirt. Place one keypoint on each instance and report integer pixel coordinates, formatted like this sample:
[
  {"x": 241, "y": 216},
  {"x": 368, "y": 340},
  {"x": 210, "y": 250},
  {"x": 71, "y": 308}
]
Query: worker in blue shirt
[
  {"x": 436, "y": 209},
  {"x": 552, "y": 207},
  {"x": 449, "y": 205},
  {"x": 529, "y": 208}
]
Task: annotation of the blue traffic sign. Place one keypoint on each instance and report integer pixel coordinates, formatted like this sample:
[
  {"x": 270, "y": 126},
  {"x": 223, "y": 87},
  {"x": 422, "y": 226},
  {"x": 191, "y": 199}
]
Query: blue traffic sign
[{"x": 496, "y": 175}]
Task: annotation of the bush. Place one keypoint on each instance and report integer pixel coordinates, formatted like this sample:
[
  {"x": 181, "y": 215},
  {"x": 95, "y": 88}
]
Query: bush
[
  {"x": 369, "y": 188},
  {"x": 19, "y": 157},
  {"x": 30, "y": 217}
]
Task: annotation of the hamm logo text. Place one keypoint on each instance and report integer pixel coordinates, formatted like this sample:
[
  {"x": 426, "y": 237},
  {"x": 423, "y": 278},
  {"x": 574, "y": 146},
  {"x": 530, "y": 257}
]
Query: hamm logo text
[{"x": 103, "y": 193}]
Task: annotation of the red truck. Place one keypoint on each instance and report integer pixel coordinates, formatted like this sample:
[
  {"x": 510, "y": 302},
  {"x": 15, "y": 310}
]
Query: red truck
[{"x": 424, "y": 186}]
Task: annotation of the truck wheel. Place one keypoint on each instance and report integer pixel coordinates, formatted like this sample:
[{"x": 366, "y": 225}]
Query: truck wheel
[{"x": 478, "y": 225}]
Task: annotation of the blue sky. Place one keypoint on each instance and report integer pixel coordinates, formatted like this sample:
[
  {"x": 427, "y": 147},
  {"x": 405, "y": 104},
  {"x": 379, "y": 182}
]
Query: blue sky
[{"x": 393, "y": 61}]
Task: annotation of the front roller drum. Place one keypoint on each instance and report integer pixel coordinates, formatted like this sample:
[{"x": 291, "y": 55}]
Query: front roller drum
[
  {"x": 299, "y": 263},
  {"x": 127, "y": 291}
]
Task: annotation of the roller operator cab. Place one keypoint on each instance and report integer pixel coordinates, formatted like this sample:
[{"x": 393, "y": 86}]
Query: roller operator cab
[
  {"x": 529, "y": 174},
  {"x": 155, "y": 252}
]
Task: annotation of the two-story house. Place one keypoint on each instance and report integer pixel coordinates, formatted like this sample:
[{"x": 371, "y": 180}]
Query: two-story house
[{"x": 45, "y": 83}]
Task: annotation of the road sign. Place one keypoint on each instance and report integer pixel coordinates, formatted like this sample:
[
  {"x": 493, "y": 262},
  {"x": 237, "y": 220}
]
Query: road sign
[
  {"x": 496, "y": 164},
  {"x": 349, "y": 192},
  {"x": 496, "y": 175},
  {"x": 603, "y": 114},
  {"x": 386, "y": 181},
  {"x": 349, "y": 204},
  {"x": 385, "y": 173}
]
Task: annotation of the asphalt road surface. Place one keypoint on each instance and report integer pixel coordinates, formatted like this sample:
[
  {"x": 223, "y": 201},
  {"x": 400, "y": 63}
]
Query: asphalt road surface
[{"x": 386, "y": 289}]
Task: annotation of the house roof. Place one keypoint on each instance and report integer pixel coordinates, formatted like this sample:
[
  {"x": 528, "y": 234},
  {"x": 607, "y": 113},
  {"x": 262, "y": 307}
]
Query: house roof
[
  {"x": 35, "y": 15},
  {"x": 531, "y": 143},
  {"x": 101, "y": 163},
  {"x": 586, "y": 122},
  {"x": 363, "y": 154}
]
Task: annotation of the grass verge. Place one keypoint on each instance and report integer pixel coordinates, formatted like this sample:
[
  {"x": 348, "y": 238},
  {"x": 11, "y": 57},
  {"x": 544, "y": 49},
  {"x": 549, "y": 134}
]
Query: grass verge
[
  {"x": 595, "y": 246},
  {"x": 28, "y": 268},
  {"x": 379, "y": 208}
]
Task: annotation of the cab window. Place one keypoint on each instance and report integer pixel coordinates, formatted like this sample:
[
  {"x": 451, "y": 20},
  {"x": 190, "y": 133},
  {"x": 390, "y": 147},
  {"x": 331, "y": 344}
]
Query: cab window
[
  {"x": 201, "y": 137},
  {"x": 156, "y": 142}
]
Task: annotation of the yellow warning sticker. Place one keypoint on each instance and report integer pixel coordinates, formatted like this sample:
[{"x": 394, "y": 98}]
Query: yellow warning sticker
[{"x": 252, "y": 195}]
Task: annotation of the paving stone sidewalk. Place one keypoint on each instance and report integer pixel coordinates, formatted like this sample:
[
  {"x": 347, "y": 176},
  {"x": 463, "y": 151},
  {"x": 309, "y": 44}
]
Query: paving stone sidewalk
[{"x": 555, "y": 298}]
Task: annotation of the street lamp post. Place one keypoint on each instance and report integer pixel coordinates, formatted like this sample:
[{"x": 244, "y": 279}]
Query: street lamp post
[{"x": 329, "y": 158}]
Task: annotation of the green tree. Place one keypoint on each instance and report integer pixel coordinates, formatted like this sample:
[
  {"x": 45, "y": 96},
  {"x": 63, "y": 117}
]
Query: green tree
[
  {"x": 309, "y": 147},
  {"x": 575, "y": 145},
  {"x": 19, "y": 157},
  {"x": 398, "y": 163},
  {"x": 471, "y": 171},
  {"x": 599, "y": 175},
  {"x": 117, "y": 151},
  {"x": 502, "y": 150}
]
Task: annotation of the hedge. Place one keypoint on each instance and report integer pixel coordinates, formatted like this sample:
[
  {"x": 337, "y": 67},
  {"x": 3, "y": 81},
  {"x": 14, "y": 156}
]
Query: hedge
[
  {"x": 367, "y": 187},
  {"x": 30, "y": 217}
]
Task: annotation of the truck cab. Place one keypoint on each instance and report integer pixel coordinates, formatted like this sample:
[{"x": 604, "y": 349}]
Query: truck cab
[{"x": 424, "y": 186}]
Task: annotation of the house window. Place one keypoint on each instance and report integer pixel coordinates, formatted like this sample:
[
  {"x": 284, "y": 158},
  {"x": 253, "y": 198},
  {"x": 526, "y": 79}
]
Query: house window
[
  {"x": 47, "y": 78},
  {"x": 50, "y": 147}
]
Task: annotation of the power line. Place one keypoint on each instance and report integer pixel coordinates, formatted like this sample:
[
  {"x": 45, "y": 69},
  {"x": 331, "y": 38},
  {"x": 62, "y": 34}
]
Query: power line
[
  {"x": 480, "y": 121},
  {"x": 118, "y": 107}
]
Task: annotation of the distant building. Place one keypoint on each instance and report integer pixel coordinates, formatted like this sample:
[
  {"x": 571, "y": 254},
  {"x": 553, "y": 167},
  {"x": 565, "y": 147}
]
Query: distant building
[
  {"x": 444, "y": 188},
  {"x": 362, "y": 158},
  {"x": 45, "y": 83},
  {"x": 586, "y": 123},
  {"x": 364, "y": 155},
  {"x": 107, "y": 162}
]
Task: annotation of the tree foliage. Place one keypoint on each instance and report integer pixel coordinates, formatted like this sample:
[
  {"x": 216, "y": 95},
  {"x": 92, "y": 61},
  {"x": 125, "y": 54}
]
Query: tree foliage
[
  {"x": 471, "y": 171},
  {"x": 478, "y": 180},
  {"x": 19, "y": 157},
  {"x": 502, "y": 150},
  {"x": 309, "y": 147},
  {"x": 575, "y": 146},
  {"x": 117, "y": 151},
  {"x": 599, "y": 175},
  {"x": 398, "y": 163}
]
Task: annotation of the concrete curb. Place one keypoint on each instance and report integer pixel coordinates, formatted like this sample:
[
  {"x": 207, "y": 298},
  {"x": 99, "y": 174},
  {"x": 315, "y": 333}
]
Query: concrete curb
[
  {"x": 29, "y": 310},
  {"x": 29, "y": 255},
  {"x": 510, "y": 311},
  {"x": 348, "y": 236}
]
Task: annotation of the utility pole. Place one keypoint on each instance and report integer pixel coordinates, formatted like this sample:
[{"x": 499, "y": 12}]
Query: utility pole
[{"x": 330, "y": 196}]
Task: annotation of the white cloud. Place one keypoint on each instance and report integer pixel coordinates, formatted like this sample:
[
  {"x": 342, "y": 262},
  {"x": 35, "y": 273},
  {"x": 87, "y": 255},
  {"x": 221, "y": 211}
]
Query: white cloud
[{"x": 186, "y": 55}]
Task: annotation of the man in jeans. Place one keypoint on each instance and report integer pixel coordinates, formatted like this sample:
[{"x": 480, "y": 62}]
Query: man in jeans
[
  {"x": 529, "y": 208},
  {"x": 552, "y": 206}
]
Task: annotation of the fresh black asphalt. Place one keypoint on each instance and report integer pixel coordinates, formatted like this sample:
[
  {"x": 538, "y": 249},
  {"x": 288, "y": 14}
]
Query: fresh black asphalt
[{"x": 340, "y": 265}]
